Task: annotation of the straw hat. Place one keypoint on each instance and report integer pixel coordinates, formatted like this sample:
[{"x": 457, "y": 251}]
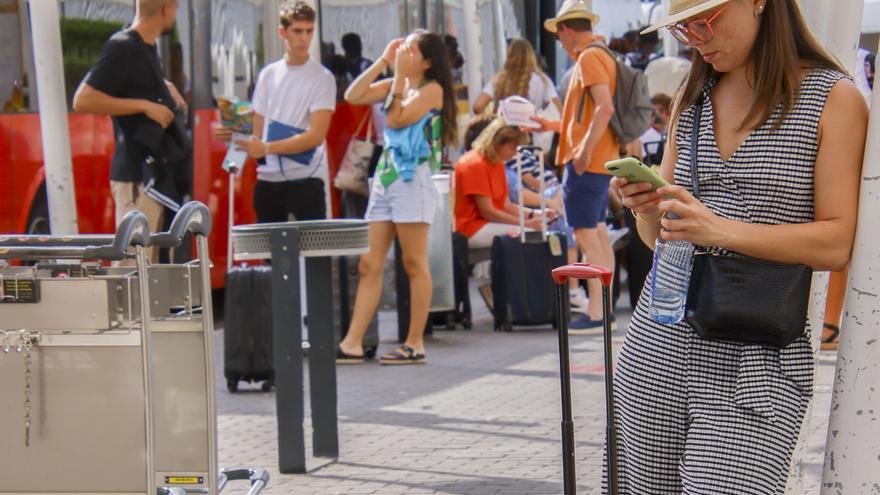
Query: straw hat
[
  {"x": 571, "y": 9},
  {"x": 680, "y": 10}
]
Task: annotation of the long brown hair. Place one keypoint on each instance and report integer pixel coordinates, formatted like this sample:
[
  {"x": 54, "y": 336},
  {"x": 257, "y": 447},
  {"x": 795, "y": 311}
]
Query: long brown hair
[
  {"x": 519, "y": 66},
  {"x": 784, "y": 45},
  {"x": 433, "y": 48}
]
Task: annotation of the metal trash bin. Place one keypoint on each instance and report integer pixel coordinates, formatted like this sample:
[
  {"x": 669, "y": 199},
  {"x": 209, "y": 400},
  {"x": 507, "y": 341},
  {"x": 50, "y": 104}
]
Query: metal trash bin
[{"x": 117, "y": 366}]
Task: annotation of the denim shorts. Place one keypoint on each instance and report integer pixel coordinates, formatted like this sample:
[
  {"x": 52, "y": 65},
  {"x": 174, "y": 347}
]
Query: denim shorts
[
  {"x": 404, "y": 202},
  {"x": 586, "y": 198}
]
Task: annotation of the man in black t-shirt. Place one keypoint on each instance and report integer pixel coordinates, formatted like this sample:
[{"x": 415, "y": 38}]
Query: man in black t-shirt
[{"x": 127, "y": 83}]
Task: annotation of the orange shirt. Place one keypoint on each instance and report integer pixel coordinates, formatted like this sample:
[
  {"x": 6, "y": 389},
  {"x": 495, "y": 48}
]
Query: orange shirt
[
  {"x": 594, "y": 66},
  {"x": 476, "y": 176}
]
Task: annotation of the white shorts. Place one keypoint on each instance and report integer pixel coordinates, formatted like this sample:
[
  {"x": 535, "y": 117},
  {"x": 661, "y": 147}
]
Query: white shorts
[{"x": 404, "y": 202}]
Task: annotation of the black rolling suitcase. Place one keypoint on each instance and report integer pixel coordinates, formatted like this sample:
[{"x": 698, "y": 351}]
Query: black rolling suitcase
[
  {"x": 522, "y": 286},
  {"x": 247, "y": 318},
  {"x": 247, "y": 337},
  {"x": 583, "y": 271}
]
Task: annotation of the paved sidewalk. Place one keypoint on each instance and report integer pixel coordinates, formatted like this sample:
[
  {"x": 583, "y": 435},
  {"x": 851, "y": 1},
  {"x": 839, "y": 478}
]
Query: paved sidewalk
[{"x": 481, "y": 418}]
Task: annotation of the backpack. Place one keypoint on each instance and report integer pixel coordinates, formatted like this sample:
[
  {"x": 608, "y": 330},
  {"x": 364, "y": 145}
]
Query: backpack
[{"x": 632, "y": 103}]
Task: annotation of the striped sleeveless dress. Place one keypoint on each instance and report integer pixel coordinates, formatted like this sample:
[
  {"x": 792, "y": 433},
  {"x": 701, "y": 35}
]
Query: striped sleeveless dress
[{"x": 702, "y": 417}]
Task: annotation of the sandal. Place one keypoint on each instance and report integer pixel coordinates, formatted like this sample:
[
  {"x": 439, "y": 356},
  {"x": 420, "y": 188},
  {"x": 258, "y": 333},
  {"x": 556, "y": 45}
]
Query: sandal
[
  {"x": 403, "y": 355},
  {"x": 830, "y": 337},
  {"x": 343, "y": 358}
]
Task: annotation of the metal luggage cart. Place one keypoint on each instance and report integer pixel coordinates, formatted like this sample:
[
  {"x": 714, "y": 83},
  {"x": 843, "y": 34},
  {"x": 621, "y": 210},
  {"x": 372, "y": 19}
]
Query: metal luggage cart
[{"x": 114, "y": 366}]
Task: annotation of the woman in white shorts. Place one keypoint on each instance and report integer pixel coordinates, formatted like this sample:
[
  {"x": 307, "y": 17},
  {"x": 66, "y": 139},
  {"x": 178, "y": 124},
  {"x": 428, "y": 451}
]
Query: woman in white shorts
[{"x": 420, "y": 120}]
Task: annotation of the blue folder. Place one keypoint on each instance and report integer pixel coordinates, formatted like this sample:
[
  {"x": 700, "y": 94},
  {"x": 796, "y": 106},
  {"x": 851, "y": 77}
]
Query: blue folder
[{"x": 278, "y": 131}]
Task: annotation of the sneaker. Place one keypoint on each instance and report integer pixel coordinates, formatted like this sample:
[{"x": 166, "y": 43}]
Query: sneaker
[
  {"x": 583, "y": 325},
  {"x": 578, "y": 301}
]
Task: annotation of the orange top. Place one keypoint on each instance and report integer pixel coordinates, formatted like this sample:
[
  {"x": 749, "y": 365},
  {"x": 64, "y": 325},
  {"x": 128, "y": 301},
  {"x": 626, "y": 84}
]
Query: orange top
[
  {"x": 475, "y": 175},
  {"x": 594, "y": 66}
]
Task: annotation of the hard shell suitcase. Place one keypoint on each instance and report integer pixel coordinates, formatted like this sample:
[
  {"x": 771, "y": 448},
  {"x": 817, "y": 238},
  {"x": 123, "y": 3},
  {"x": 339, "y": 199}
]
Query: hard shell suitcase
[
  {"x": 247, "y": 317},
  {"x": 583, "y": 271},
  {"x": 522, "y": 286},
  {"x": 247, "y": 335}
]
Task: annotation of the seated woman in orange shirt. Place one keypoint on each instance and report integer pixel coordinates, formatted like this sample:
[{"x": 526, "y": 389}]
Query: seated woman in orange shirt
[{"x": 482, "y": 207}]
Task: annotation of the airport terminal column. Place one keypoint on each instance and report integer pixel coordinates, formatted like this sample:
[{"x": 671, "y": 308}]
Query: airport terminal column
[{"x": 852, "y": 451}]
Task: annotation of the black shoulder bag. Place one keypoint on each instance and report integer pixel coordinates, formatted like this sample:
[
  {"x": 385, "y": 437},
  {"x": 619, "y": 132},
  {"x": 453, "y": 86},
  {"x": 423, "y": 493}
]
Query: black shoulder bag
[{"x": 744, "y": 299}]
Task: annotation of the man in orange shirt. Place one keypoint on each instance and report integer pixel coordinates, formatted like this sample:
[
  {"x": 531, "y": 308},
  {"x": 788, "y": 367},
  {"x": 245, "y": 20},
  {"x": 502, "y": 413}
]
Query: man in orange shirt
[{"x": 586, "y": 143}]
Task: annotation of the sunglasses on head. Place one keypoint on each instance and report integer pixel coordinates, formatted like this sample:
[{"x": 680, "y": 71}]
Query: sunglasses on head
[{"x": 696, "y": 31}]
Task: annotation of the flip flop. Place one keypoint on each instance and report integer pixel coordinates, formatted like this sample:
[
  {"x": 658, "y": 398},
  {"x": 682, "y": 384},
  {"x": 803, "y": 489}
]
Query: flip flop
[
  {"x": 830, "y": 342},
  {"x": 343, "y": 358},
  {"x": 403, "y": 355}
]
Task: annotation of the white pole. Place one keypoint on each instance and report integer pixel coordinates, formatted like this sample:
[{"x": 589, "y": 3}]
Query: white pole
[
  {"x": 670, "y": 45},
  {"x": 836, "y": 23},
  {"x": 53, "y": 117},
  {"x": 273, "y": 47},
  {"x": 473, "y": 51},
  {"x": 852, "y": 449},
  {"x": 836, "y": 26},
  {"x": 500, "y": 38}
]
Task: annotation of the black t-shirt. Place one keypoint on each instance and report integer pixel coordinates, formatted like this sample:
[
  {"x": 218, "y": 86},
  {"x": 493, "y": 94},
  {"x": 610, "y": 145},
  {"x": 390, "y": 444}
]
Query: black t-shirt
[{"x": 125, "y": 70}]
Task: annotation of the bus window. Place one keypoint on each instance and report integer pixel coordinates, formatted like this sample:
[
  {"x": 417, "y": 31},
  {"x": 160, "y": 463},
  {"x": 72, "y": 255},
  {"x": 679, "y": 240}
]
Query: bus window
[{"x": 16, "y": 59}]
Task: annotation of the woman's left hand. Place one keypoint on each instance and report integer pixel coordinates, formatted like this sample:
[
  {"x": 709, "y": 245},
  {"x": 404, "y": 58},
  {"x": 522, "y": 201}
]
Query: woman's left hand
[{"x": 696, "y": 223}]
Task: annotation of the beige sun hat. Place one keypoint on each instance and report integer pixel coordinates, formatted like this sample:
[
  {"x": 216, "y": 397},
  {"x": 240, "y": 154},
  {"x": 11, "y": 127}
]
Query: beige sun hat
[
  {"x": 680, "y": 10},
  {"x": 571, "y": 9}
]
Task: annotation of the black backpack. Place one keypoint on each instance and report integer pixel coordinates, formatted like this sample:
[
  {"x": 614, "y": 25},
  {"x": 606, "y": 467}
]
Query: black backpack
[{"x": 632, "y": 103}]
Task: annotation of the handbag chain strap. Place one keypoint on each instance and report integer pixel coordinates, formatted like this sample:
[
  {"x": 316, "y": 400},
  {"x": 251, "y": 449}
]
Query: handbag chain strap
[{"x": 695, "y": 137}]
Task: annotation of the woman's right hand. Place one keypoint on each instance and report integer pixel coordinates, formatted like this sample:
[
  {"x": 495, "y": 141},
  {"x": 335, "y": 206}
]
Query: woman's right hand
[
  {"x": 390, "y": 53},
  {"x": 638, "y": 196}
]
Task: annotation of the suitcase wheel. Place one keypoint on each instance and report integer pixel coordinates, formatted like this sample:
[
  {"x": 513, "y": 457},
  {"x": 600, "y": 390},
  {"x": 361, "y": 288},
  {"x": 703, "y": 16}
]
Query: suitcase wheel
[
  {"x": 232, "y": 385},
  {"x": 467, "y": 324},
  {"x": 267, "y": 385}
]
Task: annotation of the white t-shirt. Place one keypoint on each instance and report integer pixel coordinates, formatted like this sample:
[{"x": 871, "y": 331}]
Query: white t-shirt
[
  {"x": 288, "y": 94},
  {"x": 541, "y": 90}
]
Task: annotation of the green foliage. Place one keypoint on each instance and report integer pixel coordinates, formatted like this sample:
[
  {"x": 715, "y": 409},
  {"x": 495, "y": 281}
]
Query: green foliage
[{"x": 81, "y": 41}]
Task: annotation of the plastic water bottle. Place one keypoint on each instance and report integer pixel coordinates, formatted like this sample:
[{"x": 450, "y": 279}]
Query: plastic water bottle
[{"x": 670, "y": 279}]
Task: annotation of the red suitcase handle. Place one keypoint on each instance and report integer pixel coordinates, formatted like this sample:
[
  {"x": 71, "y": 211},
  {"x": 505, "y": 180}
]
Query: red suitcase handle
[{"x": 582, "y": 271}]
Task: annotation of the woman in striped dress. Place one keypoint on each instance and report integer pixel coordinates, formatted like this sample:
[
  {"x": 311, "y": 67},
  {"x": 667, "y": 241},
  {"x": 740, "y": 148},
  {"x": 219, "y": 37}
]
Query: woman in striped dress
[{"x": 779, "y": 152}]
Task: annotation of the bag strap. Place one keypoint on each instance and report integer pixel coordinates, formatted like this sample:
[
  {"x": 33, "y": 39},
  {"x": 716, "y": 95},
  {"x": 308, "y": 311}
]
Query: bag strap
[
  {"x": 695, "y": 137},
  {"x": 360, "y": 126}
]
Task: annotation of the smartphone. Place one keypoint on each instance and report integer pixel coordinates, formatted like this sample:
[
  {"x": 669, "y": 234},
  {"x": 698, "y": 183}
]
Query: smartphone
[{"x": 635, "y": 171}]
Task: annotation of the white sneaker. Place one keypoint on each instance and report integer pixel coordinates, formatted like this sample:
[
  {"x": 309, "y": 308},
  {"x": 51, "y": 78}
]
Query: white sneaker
[{"x": 577, "y": 300}]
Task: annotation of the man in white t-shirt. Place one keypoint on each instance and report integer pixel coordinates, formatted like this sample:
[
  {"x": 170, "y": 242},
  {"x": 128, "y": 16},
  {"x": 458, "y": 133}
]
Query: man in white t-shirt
[{"x": 293, "y": 102}]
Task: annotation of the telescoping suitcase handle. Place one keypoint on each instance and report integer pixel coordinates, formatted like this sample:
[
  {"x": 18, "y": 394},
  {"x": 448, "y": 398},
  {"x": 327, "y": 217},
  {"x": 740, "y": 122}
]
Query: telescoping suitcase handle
[
  {"x": 584, "y": 271},
  {"x": 520, "y": 197}
]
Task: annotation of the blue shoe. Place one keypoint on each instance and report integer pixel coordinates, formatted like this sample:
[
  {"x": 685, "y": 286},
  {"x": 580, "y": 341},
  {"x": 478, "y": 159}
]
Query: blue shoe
[{"x": 583, "y": 325}]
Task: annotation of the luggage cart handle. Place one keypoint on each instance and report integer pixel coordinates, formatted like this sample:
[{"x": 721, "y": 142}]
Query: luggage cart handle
[
  {"x": 193, "y": 217},
  {"x": 582, "y": 271},
  {"x": 258, "y": 477},
  {"x": 133, "y": 230}
]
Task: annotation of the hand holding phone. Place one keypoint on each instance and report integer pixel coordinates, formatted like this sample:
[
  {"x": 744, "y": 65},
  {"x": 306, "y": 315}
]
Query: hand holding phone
[{"x": 635, "y": 171}]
